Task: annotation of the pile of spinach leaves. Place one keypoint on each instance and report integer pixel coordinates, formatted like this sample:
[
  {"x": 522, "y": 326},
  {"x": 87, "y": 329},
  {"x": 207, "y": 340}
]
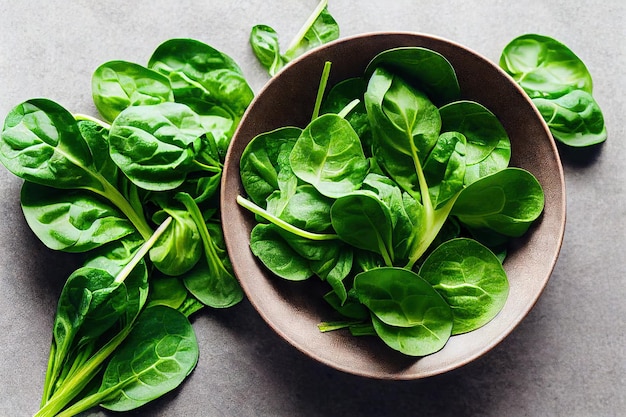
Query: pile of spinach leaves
[
  {"x": 140, "y": 182},
  {"x": 399, "y": 195},
  {"x": 560, "y": 86}
]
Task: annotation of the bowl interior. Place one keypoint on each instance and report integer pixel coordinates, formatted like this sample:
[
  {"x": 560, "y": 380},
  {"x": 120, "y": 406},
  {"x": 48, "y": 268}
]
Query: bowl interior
[{"x": 293, "y": 310}]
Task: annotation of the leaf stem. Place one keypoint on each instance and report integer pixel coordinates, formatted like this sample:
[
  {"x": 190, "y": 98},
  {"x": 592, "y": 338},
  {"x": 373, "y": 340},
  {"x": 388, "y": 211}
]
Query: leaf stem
[
  {"x": 293, "y": 46},
  {"x": 283, "y": 224},
  {"x": 320, "y": 90},
  {"x": 142, "y": 251}
]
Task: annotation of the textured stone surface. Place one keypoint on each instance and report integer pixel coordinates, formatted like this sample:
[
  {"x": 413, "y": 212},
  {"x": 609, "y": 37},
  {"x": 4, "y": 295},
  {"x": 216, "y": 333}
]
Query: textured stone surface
[{"x": 566, "y": 358}]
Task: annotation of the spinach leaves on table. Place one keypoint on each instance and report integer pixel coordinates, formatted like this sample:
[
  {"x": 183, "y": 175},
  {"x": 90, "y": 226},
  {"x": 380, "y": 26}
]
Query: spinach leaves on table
[
  {"x": 320, "y": 28},
  {"x": 403, "y": 192},
  {"x": 136, "y": 194},
  {"x": 559, "y": 84}
]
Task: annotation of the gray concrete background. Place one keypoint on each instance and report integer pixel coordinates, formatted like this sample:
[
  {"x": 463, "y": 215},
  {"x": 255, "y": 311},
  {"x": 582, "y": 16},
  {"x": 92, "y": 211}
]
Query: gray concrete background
[{"x": 565, "y": 359}]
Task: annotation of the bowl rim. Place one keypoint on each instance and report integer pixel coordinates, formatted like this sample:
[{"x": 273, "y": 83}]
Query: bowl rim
[{"x": 232, "y": 161}]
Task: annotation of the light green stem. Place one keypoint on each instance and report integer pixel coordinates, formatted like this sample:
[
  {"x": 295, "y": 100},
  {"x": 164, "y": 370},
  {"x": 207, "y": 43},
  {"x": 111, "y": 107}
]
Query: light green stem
[
  {"x": 293, "y": 46},
  {"x": 283, "y": 224}
]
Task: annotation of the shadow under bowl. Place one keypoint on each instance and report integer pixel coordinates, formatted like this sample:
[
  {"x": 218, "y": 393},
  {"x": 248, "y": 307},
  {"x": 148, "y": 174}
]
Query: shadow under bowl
[{"x": 294, "y": 309}]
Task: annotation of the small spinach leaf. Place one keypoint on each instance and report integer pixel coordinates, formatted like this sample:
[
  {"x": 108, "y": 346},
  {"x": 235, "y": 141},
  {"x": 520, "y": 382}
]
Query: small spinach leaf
[
  {"x": 574, "y": 119},
  {"x": 470, "y": 278},
  {"x": 427, "y": 70},
  {"x": 329, "y": 156},
  {"x": 116, "y": 85},
  {"x": 507, "y": 202},
  {"x": 407, "y": 313}
]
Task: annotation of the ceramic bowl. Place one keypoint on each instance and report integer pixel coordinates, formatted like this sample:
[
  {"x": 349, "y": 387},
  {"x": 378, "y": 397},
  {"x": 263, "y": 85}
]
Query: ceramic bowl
[{"x": 293, "y": 309}]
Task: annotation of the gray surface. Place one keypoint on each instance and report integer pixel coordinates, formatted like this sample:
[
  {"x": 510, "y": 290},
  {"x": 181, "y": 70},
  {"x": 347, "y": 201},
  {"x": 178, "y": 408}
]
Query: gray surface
[{"x": 565, "y": 359}]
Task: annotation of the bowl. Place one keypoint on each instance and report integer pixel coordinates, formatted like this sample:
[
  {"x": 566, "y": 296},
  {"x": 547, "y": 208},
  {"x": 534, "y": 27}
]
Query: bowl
[{"x": 294, "y": 309}]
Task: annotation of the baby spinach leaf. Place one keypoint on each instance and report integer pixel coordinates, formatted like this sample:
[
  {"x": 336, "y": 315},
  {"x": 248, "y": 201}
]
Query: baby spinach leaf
[
  {"x": 167, "y": 291},
  {"x": 320, "y": 28},
  {"x": 427, "y": 70},
  {"x": 403, "y": 118},
  {"x": 266, "y": 47},
  {"x": 277, "y": 255},
  {"x": 560, "y": 86},
  {"x": 97, "y": 137},
  {"x": 574, "y": 119},
  {"x": 156, "y": 357},
  {"x": 470, "y": 278},
  {"x": 41, "y": 142},
  {"x": 197, "y": 70},
  {"x": 304, "y": 208},
  {"x": 444, "y": 169},
  {"x": 507, "y": 202},
  {"x": 544, "y": 67},
  {"x": 488, "y": 148},
  {"x": 407, "y": 313},
  {"x": 179, "y": 248},
  {"x": 340, "y": 96},
  {"x": 155, "y": 145},
  {"x": 212, "y": 280},
  {"x": 329, "y": 156},
  {"x": 362, "y": 220},
  {"x": 263, "y": 159},
  {"x": 116, "y": 85},
  {"x": 71, "y": 220}
]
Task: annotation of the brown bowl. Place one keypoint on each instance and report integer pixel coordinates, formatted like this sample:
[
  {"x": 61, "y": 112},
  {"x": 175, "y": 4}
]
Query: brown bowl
[{"x": 294, "y": 309}]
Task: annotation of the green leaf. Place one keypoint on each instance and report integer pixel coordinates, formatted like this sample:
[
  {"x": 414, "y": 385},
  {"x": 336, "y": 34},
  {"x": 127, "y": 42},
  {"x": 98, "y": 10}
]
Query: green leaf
[
  {"x": 362, "y": 220},
  {"x": 427, "y": 70},
  {"x": 118, "y": 84},
  {"x": 266, "y": 47},
  {"x": 197, "y": 70},
  {"x": 470, "y": 278},
  {"x": 574, "y": 119},
  {"x": 157, "y": 356},
  {"x": 544, "y": 67},
  {"x": 507, "y": 202},
  {"x": 71, "y": 220},
  {"x": 488, "y": 148},
  {"x": 329, "y": 156},
  {"x": 277, "y": 255},
  {"x": 155, "y": 145},
  {"x": 407, "y": 313},
  {"x": 41, "y": 143},
  {"x": 265, "y": 162}
]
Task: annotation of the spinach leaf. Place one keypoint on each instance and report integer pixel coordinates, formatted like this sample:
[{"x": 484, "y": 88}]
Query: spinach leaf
[
  {"x": 470, "y": 278},
  {"x": 274, "y": 252},
  {"x": 544, "y": 67},
  {"x": 159, "y": 353},
  {"x": 41, "y": 142},
  {"x": 507, "y": 202},
  {"x": 574, "y": 119},
  {"x": 155, "y": 358},
  {"x": 320, "y": 28},
  {"x": 118, "y": 84},
  {"x": 155, "y": 145},
  {"x": 179, "y": 248},
  {"x": 407, "y": 313},
  {"x": 488, "y": 148},
  {"x": 427, "y": 70},
  {"x": 71, "y": 220},
  {"x": 263, "y": 160},
  {"x": 560, "y": 86},
  {"x": 329, "y": 156},
  {"x": 445, "y": 167},
  {"x": 340, "y": 96},
  {"x": 364, "y": 221},
  {"x": 212, "y": 280},
  {"x": 199, "y": 71}
]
